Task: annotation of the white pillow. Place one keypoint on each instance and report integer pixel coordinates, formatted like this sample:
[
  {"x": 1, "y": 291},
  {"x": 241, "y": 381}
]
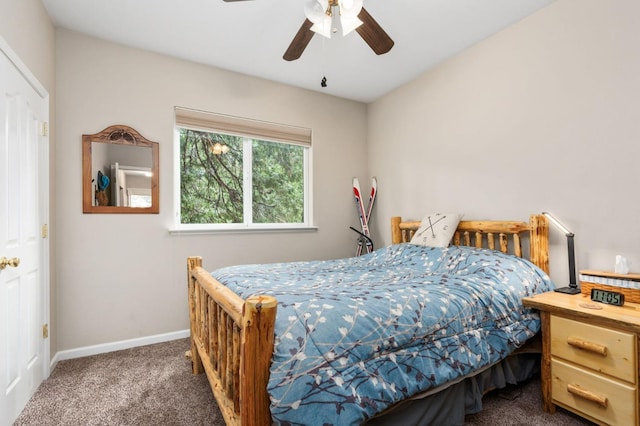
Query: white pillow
[{"x": 436, "y": 229}]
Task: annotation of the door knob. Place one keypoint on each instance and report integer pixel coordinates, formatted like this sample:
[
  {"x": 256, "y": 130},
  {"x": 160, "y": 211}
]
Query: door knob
[{"x": 4, "y": 262}]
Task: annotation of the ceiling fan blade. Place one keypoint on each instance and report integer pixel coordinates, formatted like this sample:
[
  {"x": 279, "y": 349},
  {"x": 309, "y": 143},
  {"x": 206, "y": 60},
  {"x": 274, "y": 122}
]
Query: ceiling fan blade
[
  {"x": 373, "y": 34},
  {"x": 299, "y": 42}
]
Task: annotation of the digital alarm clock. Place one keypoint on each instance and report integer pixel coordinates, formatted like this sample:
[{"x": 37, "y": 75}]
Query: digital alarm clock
[{"x": 607, "y": 296}]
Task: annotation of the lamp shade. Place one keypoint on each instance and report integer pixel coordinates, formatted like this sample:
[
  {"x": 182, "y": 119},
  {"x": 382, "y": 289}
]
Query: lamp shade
[
  {"x": 323, "y": 27},
  {"x": 349, "y": 11},
  {"x": 350, "y": 8},
  {"x": 316, "y": 10},
  {"x": 349, "y": 24}
]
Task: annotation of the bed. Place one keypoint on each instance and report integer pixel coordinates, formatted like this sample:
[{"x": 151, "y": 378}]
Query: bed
[{"x": 265, "y": 368}]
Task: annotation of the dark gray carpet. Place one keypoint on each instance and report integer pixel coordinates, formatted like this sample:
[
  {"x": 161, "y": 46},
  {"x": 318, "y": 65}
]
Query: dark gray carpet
[
  {"x": 520, "y": 406},
  {"x": 148, "y": 385},
  {"x": 153, "y": 385}
]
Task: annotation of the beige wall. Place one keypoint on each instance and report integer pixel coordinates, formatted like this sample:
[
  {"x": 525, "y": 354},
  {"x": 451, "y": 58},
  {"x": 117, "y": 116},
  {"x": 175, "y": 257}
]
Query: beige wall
[
  {"x": 543, "y": 116},
  {"x": 123, "y": 276},
  {"x": 27, "y": 29}
]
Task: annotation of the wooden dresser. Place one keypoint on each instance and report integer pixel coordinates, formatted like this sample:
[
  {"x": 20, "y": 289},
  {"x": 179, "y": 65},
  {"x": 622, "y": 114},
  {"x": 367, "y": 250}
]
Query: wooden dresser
[{"x": 589, "y": 357}]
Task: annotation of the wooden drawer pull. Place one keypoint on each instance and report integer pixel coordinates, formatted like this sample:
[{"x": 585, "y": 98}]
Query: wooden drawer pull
[
  {"x": 579, "y": 343},
  {"x": 588, "y": 395}
]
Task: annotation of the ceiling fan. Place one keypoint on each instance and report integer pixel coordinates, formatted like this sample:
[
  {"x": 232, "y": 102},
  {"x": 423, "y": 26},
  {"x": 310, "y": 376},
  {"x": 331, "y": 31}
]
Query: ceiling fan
[{"x": 324, "y": 17}]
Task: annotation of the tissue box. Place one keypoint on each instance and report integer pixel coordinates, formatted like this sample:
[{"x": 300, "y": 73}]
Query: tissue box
[{"x": 627, "y": 284}]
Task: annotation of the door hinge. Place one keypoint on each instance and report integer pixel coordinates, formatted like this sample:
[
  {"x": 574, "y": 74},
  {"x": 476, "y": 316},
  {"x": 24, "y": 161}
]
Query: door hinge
[
  {"x": 45, "y": 230},
  {"x": 44, "y": 128},
  {"x": 45, "y": 331}
]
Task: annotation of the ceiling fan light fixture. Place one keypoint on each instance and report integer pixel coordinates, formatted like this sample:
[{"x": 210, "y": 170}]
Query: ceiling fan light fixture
[
  {"x": 329, "y": 16},
  {"x": 218, "y": 148},
  {"x": 323, "y": 12}
]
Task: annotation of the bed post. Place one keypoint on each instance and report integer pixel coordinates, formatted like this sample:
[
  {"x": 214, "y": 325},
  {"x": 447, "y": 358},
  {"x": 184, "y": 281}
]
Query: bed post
[
  {"x": 196, "y": 363},
  {"x": 396, "y": 232},
  {"x": 258, "y": 318},
  {"x": 539, "y": 241}
]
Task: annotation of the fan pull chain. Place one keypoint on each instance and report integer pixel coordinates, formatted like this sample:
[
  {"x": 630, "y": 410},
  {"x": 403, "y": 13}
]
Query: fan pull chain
[{"x": 323, "y": 82}]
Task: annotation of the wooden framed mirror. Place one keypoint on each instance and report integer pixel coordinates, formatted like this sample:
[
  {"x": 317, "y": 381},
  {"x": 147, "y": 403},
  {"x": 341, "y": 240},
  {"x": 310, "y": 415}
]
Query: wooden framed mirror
[{"x": 119, "y": 172}]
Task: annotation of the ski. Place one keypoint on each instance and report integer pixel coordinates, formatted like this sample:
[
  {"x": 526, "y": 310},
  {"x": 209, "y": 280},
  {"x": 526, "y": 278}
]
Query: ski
[
  {"x": 361, "y": 213},
  {"x": 364, "y": 215},
  {"x": 372, "y": 198}
]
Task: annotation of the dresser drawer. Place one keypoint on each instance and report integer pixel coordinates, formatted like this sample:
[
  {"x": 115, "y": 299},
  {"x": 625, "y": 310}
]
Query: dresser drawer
[
  {"x": 607, "y": 400},
  {"x": 600, "y": 349}
]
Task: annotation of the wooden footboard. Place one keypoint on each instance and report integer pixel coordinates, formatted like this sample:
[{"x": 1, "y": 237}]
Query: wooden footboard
[{"x": 232, "y": 341}]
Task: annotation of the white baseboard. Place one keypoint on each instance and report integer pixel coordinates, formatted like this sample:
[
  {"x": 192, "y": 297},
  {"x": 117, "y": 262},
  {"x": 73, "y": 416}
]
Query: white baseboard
[{"x": 116, "y": 346}]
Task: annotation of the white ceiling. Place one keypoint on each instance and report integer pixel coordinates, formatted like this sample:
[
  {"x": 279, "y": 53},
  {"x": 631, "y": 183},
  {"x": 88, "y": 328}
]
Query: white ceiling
[{"x": 250, "y": 37}]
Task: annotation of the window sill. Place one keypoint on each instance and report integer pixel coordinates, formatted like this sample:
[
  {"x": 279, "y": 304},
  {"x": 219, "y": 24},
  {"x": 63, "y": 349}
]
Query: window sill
[{"x": 204, "y": 229}]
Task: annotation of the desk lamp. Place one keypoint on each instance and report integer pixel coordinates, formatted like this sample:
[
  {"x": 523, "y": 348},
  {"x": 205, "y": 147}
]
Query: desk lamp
[{"x": 573, "y": 286}]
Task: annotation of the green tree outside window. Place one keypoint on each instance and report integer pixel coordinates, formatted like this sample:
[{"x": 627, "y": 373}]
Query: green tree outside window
[{"x": 218, "y": 172}]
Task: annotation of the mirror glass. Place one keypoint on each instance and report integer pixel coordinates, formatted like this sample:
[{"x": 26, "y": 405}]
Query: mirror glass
[{"x": 120, "y": 172}]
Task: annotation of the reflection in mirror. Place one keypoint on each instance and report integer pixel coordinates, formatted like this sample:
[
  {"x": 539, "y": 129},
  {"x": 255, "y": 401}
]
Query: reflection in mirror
[
  {"x": 126, "y": 168},
  {"x": 120, "y": 172},
  {"x": 130, "y": 186}
]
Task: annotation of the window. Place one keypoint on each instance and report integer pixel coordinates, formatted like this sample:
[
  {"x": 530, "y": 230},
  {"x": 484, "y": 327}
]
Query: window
[
  {"x": 236, "y": 173},
  {"x": 139, "y": 197}
]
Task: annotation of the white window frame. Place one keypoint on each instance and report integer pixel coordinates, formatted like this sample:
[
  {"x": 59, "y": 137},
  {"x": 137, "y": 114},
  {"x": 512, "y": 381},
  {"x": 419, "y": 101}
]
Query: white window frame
[{"x": 249, "y": 130}]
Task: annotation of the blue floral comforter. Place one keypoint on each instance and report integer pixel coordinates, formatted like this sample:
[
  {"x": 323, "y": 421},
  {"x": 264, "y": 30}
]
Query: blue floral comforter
[{"x": 356, "y": 335}]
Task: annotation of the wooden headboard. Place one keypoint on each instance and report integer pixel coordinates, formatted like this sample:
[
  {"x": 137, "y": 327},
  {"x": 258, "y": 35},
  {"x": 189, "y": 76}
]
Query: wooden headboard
[{"x": 483, "y": 233}]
